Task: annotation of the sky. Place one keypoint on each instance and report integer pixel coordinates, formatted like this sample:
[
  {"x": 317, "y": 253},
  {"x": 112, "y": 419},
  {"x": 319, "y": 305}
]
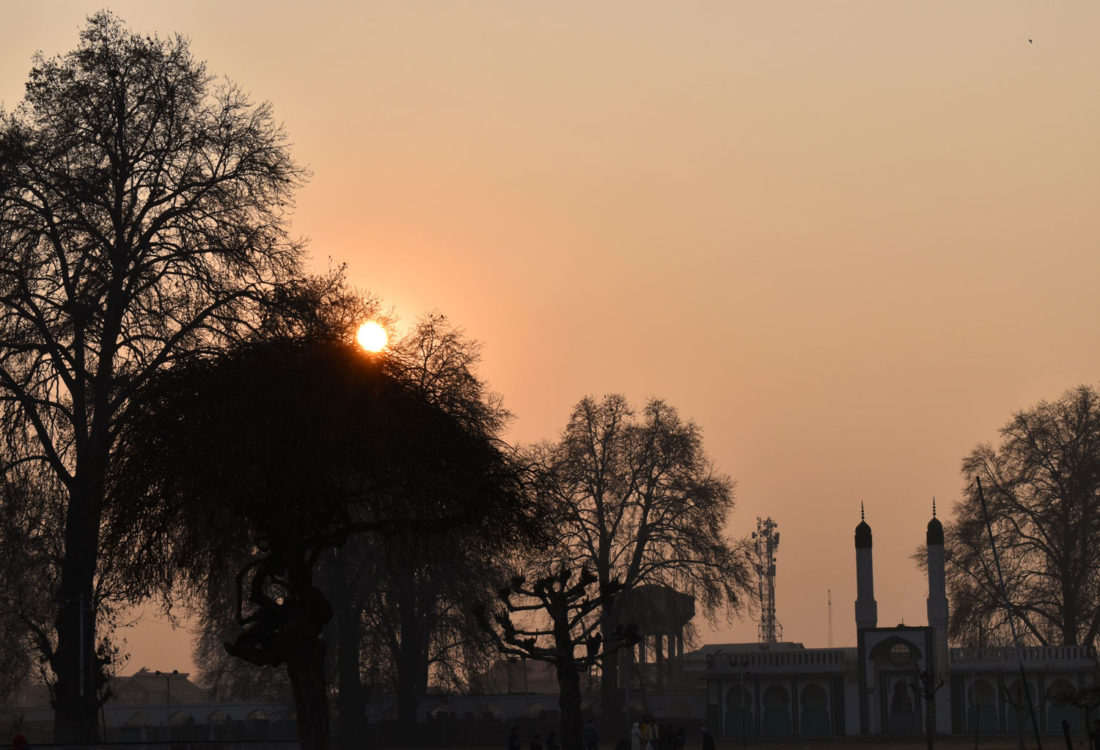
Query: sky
[{"x": 848, "y": 239}]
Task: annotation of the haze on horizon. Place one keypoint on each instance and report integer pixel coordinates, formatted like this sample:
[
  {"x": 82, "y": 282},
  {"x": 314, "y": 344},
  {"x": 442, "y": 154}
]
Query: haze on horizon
[{"x": 848, "y": 239}]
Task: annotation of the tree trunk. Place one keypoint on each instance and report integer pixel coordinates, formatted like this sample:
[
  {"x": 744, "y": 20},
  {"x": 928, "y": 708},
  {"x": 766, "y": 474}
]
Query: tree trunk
[
  {"x": 351, "y": 701},
  {"x": 411, "y": 660},
  {"x": 306, "y": 669},
  {"x": 76, "y": 704},
  {"x": 610, "y": 694},
  {"x": 408, "y": 665},
  {"x": 569, "y": 703}
]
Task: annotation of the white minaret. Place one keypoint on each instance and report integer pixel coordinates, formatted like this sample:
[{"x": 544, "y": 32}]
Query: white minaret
[
  {"x": 937, "y": 616},
  {"x": 866, "y": 608}
]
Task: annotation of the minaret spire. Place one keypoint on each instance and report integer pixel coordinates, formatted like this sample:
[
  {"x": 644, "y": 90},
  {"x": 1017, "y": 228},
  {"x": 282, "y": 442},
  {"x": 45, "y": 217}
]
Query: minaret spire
[
  {"x": 937, "y": 613},
  {"x": 866, "y": 608}
]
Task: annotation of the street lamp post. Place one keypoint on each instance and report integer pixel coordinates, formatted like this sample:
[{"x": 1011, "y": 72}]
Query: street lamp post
[
  {"x": 744, "y": 722},
  {"x": 168, "y": 701}
]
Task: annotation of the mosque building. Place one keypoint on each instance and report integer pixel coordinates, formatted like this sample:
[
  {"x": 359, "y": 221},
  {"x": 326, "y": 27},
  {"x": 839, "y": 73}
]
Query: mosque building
[{"x": 897, "y": 680}]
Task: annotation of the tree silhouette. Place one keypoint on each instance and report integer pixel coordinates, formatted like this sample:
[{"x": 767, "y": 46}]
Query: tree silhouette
[
  {"x": 142, "y": 209},
  {"x": 553, "y": 618},
  {"x": 1042, "y": 484},
  {"x": 272, "y": 455},
  {"x": 639, "y": 502},
  {"x": 417, "y": 608}
]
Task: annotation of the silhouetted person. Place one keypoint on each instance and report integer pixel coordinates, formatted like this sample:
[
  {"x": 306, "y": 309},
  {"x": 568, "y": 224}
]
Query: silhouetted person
[
  {"x": 590, "y": 736},
  {"x": 552, "y": 741},
  {"x": 708, "y": 740},
  {"x": 651, "y": 734},
  {"x": 536, "y": 743},
  {"x": 513, "y": 740}
]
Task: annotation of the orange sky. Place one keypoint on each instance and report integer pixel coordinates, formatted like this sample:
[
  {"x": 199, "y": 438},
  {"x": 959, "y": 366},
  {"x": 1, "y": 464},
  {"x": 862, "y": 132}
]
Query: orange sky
[{"x": 848, "y": 238}]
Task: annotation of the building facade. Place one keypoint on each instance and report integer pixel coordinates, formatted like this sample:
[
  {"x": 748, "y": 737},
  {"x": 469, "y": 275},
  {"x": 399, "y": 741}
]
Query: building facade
[{"x": 896, "y": 681}]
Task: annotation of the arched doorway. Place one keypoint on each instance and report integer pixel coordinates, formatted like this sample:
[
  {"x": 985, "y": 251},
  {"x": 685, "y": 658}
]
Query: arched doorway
[
  {"x": 777, "y": 712},
  {"x": 1017, "y": 708},
  {"x": 897, "y": 666},
  {"x": 982, "y": 707},
  {"x": 1060, "y": 707},
  {"x": 739, "y": 719},
  {"x": 814, "y": 718},
  {"x": 904, "y": 713}
]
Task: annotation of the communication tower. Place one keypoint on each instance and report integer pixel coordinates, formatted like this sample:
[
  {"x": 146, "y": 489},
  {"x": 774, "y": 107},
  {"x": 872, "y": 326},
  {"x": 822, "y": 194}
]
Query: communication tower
[{"x": 766, "y": 538}]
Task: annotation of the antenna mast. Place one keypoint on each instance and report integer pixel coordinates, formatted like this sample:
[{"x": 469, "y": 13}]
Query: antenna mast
[
  {"x": 767, "y": 542},
  {"x": 829, "y": 594}
]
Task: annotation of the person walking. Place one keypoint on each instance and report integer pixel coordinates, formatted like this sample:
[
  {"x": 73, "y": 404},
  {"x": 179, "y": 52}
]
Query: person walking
[{"x": 708, "y": 740}]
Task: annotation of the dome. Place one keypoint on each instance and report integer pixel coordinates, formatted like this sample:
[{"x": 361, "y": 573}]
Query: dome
[
  {"x": 863, "y": 536},
  {"x": 935, "y": 532}
]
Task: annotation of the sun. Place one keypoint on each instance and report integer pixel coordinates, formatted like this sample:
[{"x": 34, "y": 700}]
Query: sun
[{"x": 372, "y": 336}]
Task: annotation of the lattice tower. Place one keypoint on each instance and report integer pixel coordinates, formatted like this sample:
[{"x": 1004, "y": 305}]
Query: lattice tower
[{"x": 766, "y": 538}]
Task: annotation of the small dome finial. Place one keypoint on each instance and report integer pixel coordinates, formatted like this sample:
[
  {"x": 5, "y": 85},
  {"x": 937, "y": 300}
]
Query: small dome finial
[
  {"x": 863, "y": 531},
  {"x": 935, "y": 528}
]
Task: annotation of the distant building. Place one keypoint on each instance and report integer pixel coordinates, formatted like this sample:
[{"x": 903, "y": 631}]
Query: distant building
[
  {"x": 785, "y": 690},
  {"x": 161, "y": 706},
  {"x": 880, "y": 686}
]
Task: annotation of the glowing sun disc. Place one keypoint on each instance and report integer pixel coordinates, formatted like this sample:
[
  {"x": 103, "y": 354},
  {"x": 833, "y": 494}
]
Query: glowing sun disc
[{"x": 372, "y": 336}]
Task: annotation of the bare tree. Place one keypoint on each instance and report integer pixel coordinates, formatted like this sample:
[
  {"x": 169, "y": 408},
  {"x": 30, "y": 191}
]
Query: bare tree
[
  {"x": 641, "y": 503},
  {"x": 142, "y": 208},
  {"x": 1042, "y": 486},
  {"x": 554, "y": 617}
]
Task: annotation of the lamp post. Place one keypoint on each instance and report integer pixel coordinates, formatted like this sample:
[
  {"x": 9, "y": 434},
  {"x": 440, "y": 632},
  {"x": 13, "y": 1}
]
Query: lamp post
[
  {"x": 744, "y": 722},
  {"x": 168, "y": 701}
]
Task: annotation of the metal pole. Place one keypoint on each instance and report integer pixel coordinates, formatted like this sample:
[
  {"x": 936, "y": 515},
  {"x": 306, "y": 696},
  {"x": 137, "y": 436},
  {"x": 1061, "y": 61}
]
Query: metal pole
[
  {"x": 628, "y": 655},
  {"x": 168, "y": 701},
  {"x": 80, "y": 620},
  {"x": 744, "y": 719}
]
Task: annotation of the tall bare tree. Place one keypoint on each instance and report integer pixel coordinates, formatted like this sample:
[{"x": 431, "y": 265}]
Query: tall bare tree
[
  {"x": 1042, "y": 487},
  {"x": 640, "y": 503},
  {"x": 142, "y": 209}
]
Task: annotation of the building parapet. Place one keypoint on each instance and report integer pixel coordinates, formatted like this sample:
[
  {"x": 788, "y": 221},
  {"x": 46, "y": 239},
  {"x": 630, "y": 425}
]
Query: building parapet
[
  {"x": 811, "y": 659},
  {"x": 1010, "y": 655}
]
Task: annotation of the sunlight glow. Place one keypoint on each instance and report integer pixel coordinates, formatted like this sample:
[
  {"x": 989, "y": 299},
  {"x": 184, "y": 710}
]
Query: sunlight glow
[{"x": 372, "y": 336}]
